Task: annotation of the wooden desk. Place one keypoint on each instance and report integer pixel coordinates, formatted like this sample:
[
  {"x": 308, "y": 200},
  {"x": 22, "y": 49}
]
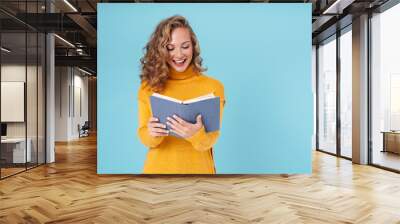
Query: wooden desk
[{"x": 391, "y": 141}]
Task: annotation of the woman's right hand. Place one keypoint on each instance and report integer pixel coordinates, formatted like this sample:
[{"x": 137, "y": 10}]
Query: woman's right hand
[{"x": 156, "y": 129}]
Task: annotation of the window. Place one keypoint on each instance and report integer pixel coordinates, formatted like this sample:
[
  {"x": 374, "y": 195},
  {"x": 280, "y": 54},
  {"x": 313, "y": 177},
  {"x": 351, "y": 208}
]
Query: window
[
  {"x": 327, "y": 96},
  {"x": 385, "y": 89},
  {"x": 346, "y": 93}
]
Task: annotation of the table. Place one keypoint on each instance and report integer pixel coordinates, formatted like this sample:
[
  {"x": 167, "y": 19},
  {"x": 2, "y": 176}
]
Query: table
[
  {"x": 13, "y": 150},
  {"x": 391, "y": 141}
]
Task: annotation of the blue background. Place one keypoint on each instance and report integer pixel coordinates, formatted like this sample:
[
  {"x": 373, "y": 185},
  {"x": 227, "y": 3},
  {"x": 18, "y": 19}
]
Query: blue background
[{"x": 260, "y": 52}]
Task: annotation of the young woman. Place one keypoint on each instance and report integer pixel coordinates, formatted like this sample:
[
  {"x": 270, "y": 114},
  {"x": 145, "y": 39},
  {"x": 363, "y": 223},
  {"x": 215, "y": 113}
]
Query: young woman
[{"x": 172, "y": 66}]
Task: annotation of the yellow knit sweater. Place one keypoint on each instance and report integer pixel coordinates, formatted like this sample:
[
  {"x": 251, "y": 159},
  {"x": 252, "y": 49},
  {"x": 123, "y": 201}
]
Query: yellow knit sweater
[{"x": 172, "y": 155}]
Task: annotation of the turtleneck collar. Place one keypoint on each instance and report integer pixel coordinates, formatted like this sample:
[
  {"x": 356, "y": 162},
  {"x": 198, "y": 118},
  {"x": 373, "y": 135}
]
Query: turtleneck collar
[{"x": 188, "y": 73}]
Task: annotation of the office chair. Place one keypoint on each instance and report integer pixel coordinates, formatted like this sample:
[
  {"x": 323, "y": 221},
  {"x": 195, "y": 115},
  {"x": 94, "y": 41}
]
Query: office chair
[{"x": 84, "y": 130}]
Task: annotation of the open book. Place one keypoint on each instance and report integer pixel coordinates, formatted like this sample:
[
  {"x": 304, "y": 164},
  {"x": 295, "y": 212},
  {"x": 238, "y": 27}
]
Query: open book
[{"x": 206, "y": 105}]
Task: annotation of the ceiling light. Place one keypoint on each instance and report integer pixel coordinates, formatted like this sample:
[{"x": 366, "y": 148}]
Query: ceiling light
[
  {"x": 84, "y": 71},
  {"x": 5, "y": 50},
  {"x": 65, "y": 41},
  {"x": 79, "y": 51},
  {"x": 338, "y": 6},
  {"x": 70, "y": 5},
  {"x": 331, "y": 7}
]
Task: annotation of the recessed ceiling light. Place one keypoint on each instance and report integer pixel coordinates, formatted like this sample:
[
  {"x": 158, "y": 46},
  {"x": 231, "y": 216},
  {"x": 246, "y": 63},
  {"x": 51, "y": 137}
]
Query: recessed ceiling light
[
  {"x": 70, "y": 5},
  {"x": 5, "y": 50},
  {"x": 337, "y": 7},
  {"x": 64, "y": 40},
  {"x": 84, "y": 71}
]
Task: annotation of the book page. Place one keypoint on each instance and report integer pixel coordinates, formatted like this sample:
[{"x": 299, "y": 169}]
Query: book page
[
  {"x": 197, "y": 99},
  {"x": 200, "y": 98},
  {"x": 167, "y": 98}
]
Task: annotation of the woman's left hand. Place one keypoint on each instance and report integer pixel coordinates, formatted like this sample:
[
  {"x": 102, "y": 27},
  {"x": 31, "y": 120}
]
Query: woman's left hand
[{"x": 184, "y": 128}]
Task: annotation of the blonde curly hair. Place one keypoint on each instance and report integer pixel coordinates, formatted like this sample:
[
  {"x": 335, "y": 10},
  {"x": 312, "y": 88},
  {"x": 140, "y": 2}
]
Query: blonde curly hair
[{"x": 154, "y": 62}]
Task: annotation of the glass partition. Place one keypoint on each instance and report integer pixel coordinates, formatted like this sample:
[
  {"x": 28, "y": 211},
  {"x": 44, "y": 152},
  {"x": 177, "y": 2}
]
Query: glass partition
[
  {"x": 346, "y": 93},
  {"x": 41, "y": 91},
  {"x": 32, "y": 95},
  {"x": 14, "y": 153},
  {"x": 327, "y": 96},
  {"x": 22, "y": 101},
  {"x": 385, "y": 90}
]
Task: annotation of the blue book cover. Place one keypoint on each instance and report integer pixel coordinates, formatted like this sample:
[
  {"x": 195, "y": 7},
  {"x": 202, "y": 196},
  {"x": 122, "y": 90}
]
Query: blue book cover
[{"x": 208, "y": 106}]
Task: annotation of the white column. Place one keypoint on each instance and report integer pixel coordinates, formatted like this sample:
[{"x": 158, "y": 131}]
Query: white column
[
  {"x": 50, "y": 110},
  {"x": 50, "y": 91},
  {"x": 314, "y": 92},
  {"x": 360, "y": 90}
]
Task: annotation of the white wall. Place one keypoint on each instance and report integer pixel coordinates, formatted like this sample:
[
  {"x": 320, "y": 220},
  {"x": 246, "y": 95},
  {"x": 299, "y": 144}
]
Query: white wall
[
  {"x": 62, "y": 81},
  {"x": 79, "y": 117},
  {"x": 71, "y": 87},
  {"x": 15, "y": 72},
  {"x": 12, "y": 73}
]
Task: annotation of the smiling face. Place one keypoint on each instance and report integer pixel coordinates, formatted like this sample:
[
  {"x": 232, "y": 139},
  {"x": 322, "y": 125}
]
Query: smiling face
[{"x": 180, "y": 49}]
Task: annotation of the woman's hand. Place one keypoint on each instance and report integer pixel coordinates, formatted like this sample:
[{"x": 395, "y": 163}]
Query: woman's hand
[
  {"x": 156, "y": 129},
  {"x": 184, "y": 128}
]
